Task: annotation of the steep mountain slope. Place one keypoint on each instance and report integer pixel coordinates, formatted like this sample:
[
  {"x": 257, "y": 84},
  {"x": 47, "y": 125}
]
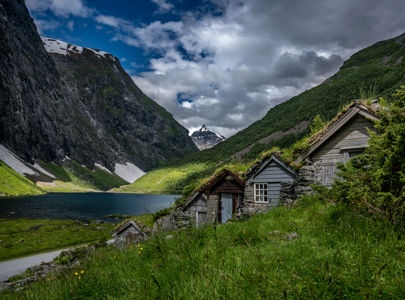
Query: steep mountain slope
[
  {"x": 77, "y": 104},
  {"x": 205, "y": 138},
  {"x": 372, "y": 72},
  {"x": 117, "y": 121}
]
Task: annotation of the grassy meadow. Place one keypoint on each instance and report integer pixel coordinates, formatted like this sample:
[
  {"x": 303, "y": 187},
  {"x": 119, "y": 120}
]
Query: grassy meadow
[
  {"x": 21, "y": 237},
  {"x": 338, "y": 254}
]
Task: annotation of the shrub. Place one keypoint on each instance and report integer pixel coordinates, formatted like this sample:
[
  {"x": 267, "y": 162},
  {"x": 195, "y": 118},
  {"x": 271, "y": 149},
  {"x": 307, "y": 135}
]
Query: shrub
[{"x": 375, "y": 181}]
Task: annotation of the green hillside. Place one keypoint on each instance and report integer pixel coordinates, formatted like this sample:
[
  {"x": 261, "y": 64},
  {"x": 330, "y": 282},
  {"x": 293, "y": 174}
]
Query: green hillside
[
  {"x": 13, "y": 184},
  {"x": 376, "y": 71}
]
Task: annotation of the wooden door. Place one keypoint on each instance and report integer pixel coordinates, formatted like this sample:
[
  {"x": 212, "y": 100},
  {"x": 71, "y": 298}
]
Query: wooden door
[
  {"x": 273, "y": 190},
  {"x": 329, "y": 169},
  {"x": 226, "y": 207}
]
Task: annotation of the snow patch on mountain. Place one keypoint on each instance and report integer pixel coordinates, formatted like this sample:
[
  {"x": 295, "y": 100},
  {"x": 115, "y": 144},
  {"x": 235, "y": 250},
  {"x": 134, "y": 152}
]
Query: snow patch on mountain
[
  {"x": 100, "y": 166},
  {"x": 63, "y": 48},
  {"x": 42, "y": 170},
  {"x": 10, "y": 159},
  {"x": 128, "y": 171}
]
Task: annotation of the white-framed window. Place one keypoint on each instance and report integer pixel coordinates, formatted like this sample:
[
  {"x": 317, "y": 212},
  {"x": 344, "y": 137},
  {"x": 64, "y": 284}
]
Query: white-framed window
[{"x": 261, "y": 193}]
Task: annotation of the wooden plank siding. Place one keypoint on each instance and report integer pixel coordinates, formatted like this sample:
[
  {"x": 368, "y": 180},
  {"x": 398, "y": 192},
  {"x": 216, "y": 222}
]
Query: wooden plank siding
[
  {"x": 273, "y": 173},
  {"x": 353, "y": 135},
  {"x": 350, "y": 136},
  {"x": 227, "y": 186},
  {"x": 274, "y": 193}
]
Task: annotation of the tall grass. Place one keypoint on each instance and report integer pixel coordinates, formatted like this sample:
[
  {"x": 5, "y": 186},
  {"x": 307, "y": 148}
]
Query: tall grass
[{"x": 339, "y": 254}]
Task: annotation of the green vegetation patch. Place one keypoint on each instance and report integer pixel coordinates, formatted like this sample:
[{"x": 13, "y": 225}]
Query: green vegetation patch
[
  {"x": 336, "y": 254},
  {"x": 13, "y": 184},
  {"x": 98, "y": 178},
  {"x": 22, "y": 237}
]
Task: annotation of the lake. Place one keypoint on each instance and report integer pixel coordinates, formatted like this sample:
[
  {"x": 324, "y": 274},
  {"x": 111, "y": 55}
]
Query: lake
[{"x": 82, "y": 206}]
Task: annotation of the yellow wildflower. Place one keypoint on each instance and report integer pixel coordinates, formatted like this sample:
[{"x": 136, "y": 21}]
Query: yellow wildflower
[
  {"x": 80, "y": 277},
  {"x": 82, "y": 271},
  {"x": 139, "y": 252},
  {"x": 115, "y": 257},
  {"x": 141, "y": 248},
  {"x": 76, "y": 274},
  {"x": 139, "y": 245}
]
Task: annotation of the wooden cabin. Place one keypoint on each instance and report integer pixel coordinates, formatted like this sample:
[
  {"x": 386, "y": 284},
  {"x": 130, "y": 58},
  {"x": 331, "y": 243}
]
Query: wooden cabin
[
  {"x": 217, "y": 202},
  {"x": 262, "y": 188},
  {"x": 127, "y": 233},
  {"x": 346, "y": 137}
]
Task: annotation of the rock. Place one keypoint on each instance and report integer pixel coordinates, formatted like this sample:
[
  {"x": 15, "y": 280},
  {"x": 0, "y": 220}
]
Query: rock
[
  {"x": 19, "y": 289},
  {"x": 85, "y": 225},
  {"x": 166, "y": 223},
  {"x": 35, "y": 269},
  {"x": 99, "y": 222},
  {"x": 292, "y": 236},
  {"x": 99, "y": 228},
  {"x": 22, "y": 240},
  {"x": 168, "y": 237},
  {"x": 274, "y": 232},
  {"x": 12, "y": 213},
  {"x": 63, "y": 226},
  {"x": 1, "y": 241},
  {"x": 4, "y": 285}
]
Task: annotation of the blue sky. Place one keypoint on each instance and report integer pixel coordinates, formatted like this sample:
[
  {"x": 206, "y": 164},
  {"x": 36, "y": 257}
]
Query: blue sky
[{"x": 219, "y": 62}]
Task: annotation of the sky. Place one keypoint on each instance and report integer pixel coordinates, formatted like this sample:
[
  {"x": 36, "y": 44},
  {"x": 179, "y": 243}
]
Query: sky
[{"x": 222, "y": 63}]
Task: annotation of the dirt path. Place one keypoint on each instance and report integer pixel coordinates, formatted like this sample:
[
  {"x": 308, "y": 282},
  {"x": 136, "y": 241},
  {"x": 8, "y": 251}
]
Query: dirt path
[{"x": 18, "y": 266}]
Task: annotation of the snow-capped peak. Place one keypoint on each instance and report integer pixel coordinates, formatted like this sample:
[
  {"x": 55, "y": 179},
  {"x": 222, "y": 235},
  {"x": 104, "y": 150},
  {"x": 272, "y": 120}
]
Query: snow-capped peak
[
  {"x": 204, "y": 128},
  {"x": 205, "y": 138},
  {"x": 63, "y": 48}
]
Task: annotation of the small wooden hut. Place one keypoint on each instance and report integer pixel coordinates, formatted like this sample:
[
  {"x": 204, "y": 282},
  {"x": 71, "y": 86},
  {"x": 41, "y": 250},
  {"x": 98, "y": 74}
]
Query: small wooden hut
[
  {"x": 346, "y": 137},
  {"x": 217, "y": 201},
  {"x": 263, "y": 184},
  {"x": 128, "y": 233}
]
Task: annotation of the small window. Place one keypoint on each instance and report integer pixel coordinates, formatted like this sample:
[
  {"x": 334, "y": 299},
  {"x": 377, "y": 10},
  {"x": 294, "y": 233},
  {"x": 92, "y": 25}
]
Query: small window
[{"x": 261, "y": 193}]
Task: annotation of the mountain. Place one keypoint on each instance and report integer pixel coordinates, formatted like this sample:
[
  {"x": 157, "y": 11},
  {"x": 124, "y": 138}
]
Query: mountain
[
  {"x": 205, "y": 138},
  {"x": 63, "y": 102},
  {"x": 376, "y": 71}
]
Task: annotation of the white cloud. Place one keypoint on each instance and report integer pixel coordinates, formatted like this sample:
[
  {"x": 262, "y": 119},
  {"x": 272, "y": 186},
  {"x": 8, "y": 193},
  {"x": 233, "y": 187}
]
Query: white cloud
[
  {"x": 62, "y": 8},
  {"x": 44, "y": 25},
  {"x": 71, "y": 25},
  {"x": 164, "y": 5},
  {"x": 110, "y": 21}
]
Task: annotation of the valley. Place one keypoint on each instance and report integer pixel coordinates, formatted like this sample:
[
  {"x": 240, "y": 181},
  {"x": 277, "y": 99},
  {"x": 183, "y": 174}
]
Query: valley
[{"x": 306, "y": 202}]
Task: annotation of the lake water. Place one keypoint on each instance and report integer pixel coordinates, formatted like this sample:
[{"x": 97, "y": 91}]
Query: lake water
[{"x": 82, "y": 206}]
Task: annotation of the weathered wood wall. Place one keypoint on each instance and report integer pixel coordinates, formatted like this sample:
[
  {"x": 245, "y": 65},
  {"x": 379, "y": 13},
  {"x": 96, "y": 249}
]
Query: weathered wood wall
[
  {"x": 229, "y": 186},
  {"x": 273, "y": 173},
  {"x": 347, "y": 141}
]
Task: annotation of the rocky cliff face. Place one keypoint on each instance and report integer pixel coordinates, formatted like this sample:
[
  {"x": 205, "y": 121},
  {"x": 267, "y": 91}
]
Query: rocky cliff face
[
  {"x": 205, "y": 138},
  {"x": 59, "y": 100}
]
